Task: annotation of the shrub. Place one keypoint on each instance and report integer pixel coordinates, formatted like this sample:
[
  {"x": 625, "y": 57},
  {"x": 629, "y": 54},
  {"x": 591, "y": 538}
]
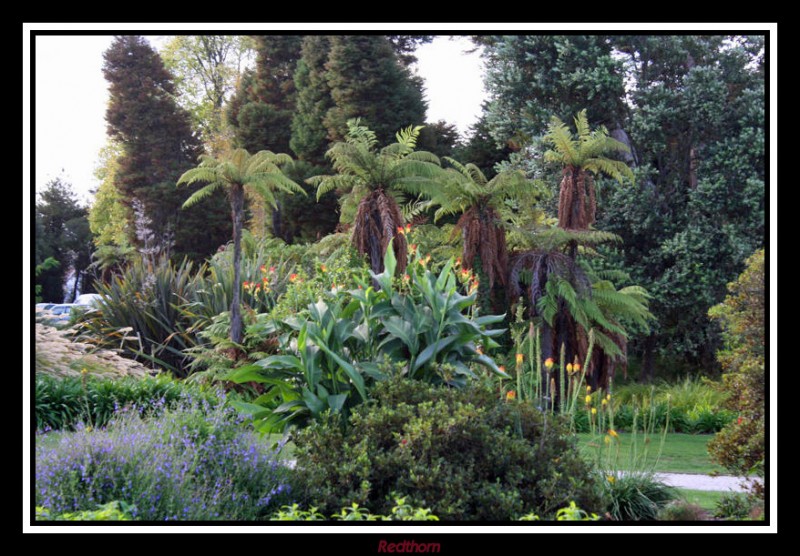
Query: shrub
[
  {"x": 460, "y": 452},
  {"x": 734, "y": 505},
  {"x": 740, "y": 446},
  {"x": 63, "y": 403},
  {"x": 195, "y": 462},
  {"x": 636, "y": 495},
  {"x": 681, "y": 510}
]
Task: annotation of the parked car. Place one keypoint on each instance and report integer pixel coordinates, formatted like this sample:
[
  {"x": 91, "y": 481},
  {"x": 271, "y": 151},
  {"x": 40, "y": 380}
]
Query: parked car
[
  {"x": 88, "y": 300},
  {"x": 62, "y": 312}
]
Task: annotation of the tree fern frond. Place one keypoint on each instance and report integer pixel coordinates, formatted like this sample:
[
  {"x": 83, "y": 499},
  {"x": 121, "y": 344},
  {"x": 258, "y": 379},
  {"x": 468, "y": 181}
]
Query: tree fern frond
[{"x": 201, "y": 194}]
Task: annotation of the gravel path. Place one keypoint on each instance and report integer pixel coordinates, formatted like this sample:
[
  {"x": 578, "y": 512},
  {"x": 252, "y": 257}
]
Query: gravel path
[{"x": 703, "y": 482}]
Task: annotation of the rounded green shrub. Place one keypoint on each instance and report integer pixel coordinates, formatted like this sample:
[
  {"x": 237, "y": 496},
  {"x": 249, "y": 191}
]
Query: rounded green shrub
[{"x": 461, "y": 452}]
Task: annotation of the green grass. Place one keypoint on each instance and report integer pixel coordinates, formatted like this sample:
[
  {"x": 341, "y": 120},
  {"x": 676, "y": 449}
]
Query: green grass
[
  {"x": 682, "y": 453},
  {"x": 706, "y": 499}
]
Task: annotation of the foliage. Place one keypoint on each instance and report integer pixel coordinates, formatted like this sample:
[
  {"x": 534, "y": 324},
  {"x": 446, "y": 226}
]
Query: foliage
[
  {"x": 157, "y": 143},
  {"x": 740, "y": 446},
  {"x": 372, "y": 184},
  {"x": 111, "y": 511},
  {"x": 62, "y": 232},
  {"x": 734, "y": 505},
  {"x": 61, "y": 404},
  {"x": 140, "y": 314},
  {"x": 236, "y": 173},
  {"x": 431, "y": 441},
  {"x": 108, "y": 216},
  {"x": 48, "y": 264},
  {"x": 531, "y": 77},
  {"x": 194, "y": 462},
  {"x": 206, "y": 69},
  {"x": 400, "y": 512},
  {"x": 329, "y": 353}
]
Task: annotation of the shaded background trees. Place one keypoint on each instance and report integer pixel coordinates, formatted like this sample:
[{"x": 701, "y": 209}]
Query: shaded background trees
[{"x": 692, "y": 110}]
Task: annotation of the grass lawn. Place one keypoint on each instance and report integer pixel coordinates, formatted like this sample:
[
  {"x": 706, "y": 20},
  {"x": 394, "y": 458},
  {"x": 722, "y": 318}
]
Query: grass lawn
[
  {"x": 706, "y": 499},
  {"x": 682, "y": 453}
]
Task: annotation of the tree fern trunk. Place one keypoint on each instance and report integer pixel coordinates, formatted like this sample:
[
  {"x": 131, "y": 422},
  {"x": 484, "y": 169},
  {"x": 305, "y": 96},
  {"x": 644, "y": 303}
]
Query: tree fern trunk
[{"x": 237, "y": 214}]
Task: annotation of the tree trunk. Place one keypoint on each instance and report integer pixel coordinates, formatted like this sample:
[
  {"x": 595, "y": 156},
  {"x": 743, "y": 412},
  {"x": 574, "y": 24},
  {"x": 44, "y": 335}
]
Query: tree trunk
[
  {"x": 648, "y": 360},
  {"x": 237, "y": 214}
]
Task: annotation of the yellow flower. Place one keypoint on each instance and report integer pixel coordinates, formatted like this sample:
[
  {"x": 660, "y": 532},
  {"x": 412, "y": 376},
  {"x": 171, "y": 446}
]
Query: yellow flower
[
  {"x": 548, "y": 363},
  {"x": 613, "y": 433},
  {"x": 588, "y": 389},
  {"x": 594, "y": 411},
  {"x": 569, "y": 368},
  {"x": 89, "y": 428},
  {"x": 607, "y": 439},
  {"x": 511, "y": 395},
  {"x": 576, "y": 367},
  {"x": 608, "y": 397},
  {"x": 611, "y": 479},
  {"x": 84, "y": 371},
  {"x": 605, "y": 401},
  {"x": 588, "y": 400},
  {"x": 520, "y": 359}
]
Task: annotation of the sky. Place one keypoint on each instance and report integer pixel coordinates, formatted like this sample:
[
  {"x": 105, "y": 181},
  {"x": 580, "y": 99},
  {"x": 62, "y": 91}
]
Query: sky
[{"x": 71, "y": 98}]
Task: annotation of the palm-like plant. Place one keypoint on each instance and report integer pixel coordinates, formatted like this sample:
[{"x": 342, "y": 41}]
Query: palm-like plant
[
  {"x": 373, "y": 184},
  {"x": 484, "y": 205},
  {"x": 582, "y": 156},
  {"x": 234, "y": 173}
]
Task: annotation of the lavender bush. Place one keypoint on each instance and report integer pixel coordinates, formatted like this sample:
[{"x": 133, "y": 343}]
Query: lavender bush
[{"x": 195, "y": 462}]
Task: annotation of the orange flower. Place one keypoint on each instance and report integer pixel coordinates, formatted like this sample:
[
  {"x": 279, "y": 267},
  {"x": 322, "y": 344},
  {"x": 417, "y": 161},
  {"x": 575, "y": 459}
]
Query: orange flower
[
  {"x": 293, "y": 277},
  {"x": 576, "y": 367},
  {"x": 520, "y": 359},
  {"x": 271, "y": 269},
  {"x": 548, "y": 363},
  {"x": 613, "y": 433},
  {"x": 323, "y": 268},
  {"x": 246, "y": 285},
  {"x": 408, "y": 228},
  {"x": 401, "y": 231},
  {"x": 511, "y": 395},
  {"x": 479, "y": 349},
  {"x": 263, "y": 269},
  {"x": 406, "y": 278},
  {"x": 412, "y": 249},
  {"x": 502, "y": 368}
]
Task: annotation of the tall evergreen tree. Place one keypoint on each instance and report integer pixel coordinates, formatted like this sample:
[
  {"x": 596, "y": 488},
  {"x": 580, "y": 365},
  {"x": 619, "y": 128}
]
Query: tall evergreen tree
[
  {"x": 158, "y": 145},
  {"x": 368, "y": 82},
  {"x": 309, "y": 135}
]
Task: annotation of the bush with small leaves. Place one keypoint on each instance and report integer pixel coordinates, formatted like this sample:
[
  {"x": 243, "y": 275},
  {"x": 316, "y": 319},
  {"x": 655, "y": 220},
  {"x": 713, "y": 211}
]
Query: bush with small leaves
[{"x": 431, "y": 441}]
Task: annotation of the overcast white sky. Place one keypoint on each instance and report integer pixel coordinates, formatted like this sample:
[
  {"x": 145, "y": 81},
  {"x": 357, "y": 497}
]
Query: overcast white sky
[{"x": 71, "y": 97}]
